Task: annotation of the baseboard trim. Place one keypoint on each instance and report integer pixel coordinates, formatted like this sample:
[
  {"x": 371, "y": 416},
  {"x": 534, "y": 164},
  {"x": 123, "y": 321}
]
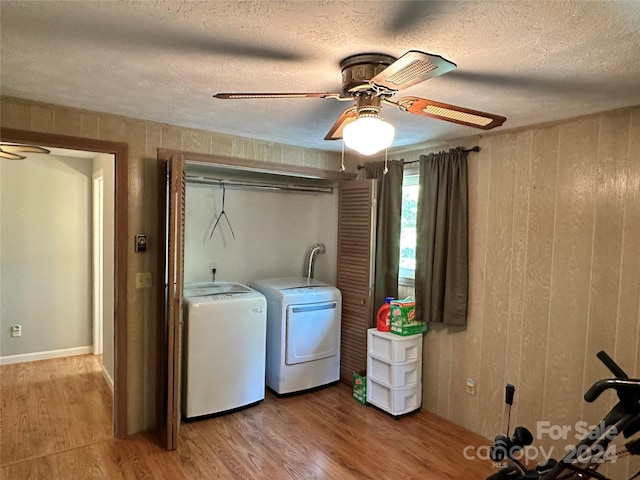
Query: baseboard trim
[
  {"x": 107, "y": 377},
  {"x": 32, "y": 357}
]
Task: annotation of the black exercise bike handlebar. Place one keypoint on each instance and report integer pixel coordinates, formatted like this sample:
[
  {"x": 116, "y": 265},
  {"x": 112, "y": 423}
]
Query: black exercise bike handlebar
[
  {"x": 624, "y": 387},
  {"x": 611, "y": 365}
]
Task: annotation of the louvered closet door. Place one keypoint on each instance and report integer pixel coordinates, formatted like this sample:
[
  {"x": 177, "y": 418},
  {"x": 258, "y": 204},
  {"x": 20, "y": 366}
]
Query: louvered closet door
[
  {"x": 175, "y": 278},
  {"x": 356, "y": 246}
]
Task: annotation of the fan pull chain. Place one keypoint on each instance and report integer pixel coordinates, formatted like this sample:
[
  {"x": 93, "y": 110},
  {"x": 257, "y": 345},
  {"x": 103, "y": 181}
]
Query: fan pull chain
[
  {"x": 342, "y": 169},
  {"x": 386, "y": 170}
]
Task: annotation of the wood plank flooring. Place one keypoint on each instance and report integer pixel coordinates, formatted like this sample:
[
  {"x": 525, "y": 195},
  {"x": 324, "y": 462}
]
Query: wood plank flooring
[
  {"x": 49, "y": 406},
  {"x": 320, "y": 435}
]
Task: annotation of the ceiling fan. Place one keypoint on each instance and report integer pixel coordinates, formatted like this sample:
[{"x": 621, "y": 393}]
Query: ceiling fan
[
  {"x": 11, "y": 151},
  {"x": 370, "y": 80}
]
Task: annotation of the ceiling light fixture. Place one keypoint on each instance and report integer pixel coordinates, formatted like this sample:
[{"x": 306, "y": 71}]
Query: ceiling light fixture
[{"x": 368, "y": 134}]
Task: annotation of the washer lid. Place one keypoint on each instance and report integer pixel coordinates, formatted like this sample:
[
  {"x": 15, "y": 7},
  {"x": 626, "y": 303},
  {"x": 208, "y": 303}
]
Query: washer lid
[
  {"x": 287, "y": 283},
  {"x": 215, "y": 288}
]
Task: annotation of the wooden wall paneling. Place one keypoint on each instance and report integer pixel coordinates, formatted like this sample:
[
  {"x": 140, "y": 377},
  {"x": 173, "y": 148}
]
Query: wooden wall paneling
[
  {"x": 162, "y": 295},
  {"x": 496, "y": 286},
  {"x": 461, "y": 405},
  {"x": 465, "y": 352},
  {"x": 431, "y": 367},
  {"x": 68, "y": 122},
  {"x": 133, "y": 132},
  {"x": 444, "y": 382},
  {"x": 606, "y": 268},
  {"x": 155, "y": 179},
  {"x": 544, "y": 165},
  {"x": 356, "y": 243},
  {"x": 196, "y": 141},
  {"x": 42, "y": 119},
  {"x": 14, "y": 115},
  {"x": 627, "y": 348},
  {"x": 467, "y": 408},
  {"x": 613, "y": 142},
  {"x": 569, "y": 307},
  {"x": 89, "y": 125},
  {"x": 121, "y": 312},
  {"x": 519, "y": 238}
]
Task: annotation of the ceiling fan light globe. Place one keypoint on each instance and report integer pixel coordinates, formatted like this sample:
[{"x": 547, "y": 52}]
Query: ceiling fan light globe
[{"x": 368, "y": 134}]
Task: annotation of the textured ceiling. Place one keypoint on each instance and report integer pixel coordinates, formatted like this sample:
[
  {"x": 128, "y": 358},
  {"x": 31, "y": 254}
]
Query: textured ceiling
[{"x": 531, "y": 61}]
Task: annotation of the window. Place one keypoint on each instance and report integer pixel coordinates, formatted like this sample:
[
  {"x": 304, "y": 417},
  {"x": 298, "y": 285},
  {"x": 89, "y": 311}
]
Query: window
[{"x": 410, "y": 188}]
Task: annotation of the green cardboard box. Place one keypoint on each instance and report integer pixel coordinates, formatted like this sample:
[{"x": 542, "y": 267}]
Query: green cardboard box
[
  {"x": 403, "y": 318},
  {"x": 360, "y": 387}
]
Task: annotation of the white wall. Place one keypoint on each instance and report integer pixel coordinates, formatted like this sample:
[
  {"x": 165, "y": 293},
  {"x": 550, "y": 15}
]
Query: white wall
[
  {"x": 105, "y": 164},
  {"x": 273, "y": 231},
  {"x": 45, "y": 254}
]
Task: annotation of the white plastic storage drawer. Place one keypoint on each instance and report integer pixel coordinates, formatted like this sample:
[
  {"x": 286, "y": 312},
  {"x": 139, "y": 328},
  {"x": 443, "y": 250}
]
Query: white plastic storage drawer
[
  {"x": 394, "y": 348},
  {"x": 395, "y": 375},
  {"x": 396, "y": 401}
]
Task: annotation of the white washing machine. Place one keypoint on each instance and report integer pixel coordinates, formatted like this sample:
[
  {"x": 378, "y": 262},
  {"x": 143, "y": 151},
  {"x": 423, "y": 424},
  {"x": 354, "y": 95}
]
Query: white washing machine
[
  {"x": 303, "y": 333},
  {"x": 224, "y": 348}
]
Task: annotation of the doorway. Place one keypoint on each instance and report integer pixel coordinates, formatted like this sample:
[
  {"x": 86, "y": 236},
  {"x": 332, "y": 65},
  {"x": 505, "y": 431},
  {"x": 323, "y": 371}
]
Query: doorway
[
  {"x": 54, "y": 370},
  {"x": 120, "y": 219}
]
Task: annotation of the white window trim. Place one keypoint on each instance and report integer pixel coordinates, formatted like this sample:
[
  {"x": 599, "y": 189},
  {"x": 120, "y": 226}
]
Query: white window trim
[{"x": 411, "y": 177}]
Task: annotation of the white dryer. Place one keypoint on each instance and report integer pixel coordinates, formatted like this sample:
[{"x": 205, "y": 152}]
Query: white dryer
[
  {"x": 224, "y": 348},
  {"x": 303, "y": 333}
]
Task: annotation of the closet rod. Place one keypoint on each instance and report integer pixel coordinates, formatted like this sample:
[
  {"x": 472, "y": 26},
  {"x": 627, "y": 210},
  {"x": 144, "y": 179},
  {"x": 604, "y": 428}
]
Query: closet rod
[{"x": 257, "y": 186}]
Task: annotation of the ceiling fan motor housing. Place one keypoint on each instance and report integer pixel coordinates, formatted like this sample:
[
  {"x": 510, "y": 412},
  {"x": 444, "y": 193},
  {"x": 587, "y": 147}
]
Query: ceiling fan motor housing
[{"x": 357, "y": 70}]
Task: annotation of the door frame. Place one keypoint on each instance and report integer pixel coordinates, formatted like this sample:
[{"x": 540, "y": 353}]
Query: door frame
[
  {"x": 169, "y": 291},
  {"x": 97, "y": 253},
  {"x": 120, "y": 151}
]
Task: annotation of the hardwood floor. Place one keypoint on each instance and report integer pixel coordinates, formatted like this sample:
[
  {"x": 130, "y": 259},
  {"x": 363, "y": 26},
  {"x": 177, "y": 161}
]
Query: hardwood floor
[
  {"x": 50, "y": 406},
  {"x": 320, "y": 435}
]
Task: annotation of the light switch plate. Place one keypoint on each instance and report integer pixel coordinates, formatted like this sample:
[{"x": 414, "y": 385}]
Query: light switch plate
[
  {"x": 143, "y": 280},
  {"x": 470, "y": 386}
]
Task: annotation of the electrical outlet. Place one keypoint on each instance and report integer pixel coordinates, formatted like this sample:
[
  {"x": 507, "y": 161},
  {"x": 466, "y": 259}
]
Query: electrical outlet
[
  {"x": 143, "y": 280},
  {"x": 213, "y": 269},
  {"x": 16, "y": 331},
  {"x": 470, "y": 386}
]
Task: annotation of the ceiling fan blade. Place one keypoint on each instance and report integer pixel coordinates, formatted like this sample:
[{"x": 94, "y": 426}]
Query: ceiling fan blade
[
  {"x": 23, "y": 148},
  {"x": 411, "y": 68},
  {"x": 451, "y": 113},
  {"x": 249, "y": 96},
  {"x": 11, "y": 156},
  {"x": 348, "y": 116}
]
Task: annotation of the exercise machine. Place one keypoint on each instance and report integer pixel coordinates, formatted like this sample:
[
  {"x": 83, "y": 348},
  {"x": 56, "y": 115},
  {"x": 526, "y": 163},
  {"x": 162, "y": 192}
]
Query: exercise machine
[{"x": 583, "y": 460}]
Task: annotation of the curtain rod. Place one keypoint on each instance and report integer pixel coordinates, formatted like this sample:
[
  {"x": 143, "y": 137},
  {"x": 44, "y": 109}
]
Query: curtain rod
[
  {"x": 197, "y": 179},
  {"x": 466, "y": 150}
]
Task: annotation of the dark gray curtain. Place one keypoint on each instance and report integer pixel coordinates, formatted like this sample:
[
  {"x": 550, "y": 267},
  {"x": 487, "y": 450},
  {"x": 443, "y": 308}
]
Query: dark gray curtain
[
  {"x": 389, "y": 211},
  {"x": 442, "y": 277}
]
